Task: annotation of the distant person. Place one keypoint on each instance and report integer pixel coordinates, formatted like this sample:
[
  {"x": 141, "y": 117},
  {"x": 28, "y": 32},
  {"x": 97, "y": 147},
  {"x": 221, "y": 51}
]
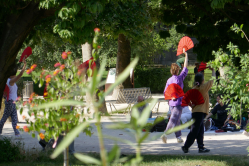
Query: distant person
[
  {"x": 221, "y": 110},
  {"x": 141, "y": 108},
  {"x": 175, "y": 104},
  {"x": 196, "y": 68},
  {"x": 11, "y": 97}
]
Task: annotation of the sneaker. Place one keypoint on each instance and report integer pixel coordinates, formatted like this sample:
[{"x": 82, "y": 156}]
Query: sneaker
[
  {"x": 179, "y": 140},
  {"x": 185, "y": 150},
  {"x": 164, "y": 138},
  {"x": 203, "y": 150}
]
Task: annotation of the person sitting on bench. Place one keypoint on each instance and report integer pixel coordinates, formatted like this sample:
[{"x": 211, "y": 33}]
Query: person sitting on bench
[{"x": 141, "y": 108}]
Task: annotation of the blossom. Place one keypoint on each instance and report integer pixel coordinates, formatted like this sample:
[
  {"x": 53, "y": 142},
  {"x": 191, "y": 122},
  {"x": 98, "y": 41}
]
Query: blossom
[
  {"x": 64, "y": 55},
  {"x": 246, "y": 84},
  {"x": 69, "y": 52},
  {"x": 62, "y": 67},
  {"x": 63, "y": 119},
  {"x": 96, "y": 30},
  {"x": 46, "y": 124},
  {"x": 17, "y": 127},
  {"x": 99, "y": 47},
  {"x": 33, "y": 67},
  {"x": 18, "y": 98},
  {"x": 77, "y": 115},
  {"x": 32, "y": 114},
  {"x": 23, "y": 117},
  {"x": 45, "y": 94},
  {"x": 56, "y": 72},
  {"x": 32, "y": 105},
  {"x": 25, "y": 128},
  {"x": 30, "y": 99},
  {"x": 48, "y": 78},
  {"x": 28, "y": 71},
  {"x": 42, "y": 136},
  {"x": 24, "y": 103},
  {"x": 57, "y": 64}
]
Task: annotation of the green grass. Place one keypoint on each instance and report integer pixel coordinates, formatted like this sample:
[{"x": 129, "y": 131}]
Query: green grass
[{"x": 155, "y": 160}]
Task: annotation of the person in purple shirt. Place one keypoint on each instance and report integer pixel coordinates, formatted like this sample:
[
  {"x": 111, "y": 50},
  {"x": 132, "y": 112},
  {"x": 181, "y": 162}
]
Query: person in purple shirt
[{"x": 175, "y": 104}]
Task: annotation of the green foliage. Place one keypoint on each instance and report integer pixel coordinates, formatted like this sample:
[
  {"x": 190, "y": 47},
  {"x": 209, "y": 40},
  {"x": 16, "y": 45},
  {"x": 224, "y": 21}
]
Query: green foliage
[
  {"x": 209, "y": 21},
  {"x": 10, "y": 150},
  {"x": 234, "y": 84}
]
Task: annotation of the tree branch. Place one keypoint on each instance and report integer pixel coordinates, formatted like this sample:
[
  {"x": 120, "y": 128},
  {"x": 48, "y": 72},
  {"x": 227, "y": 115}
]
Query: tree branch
[{"x": 229, "y": 16}]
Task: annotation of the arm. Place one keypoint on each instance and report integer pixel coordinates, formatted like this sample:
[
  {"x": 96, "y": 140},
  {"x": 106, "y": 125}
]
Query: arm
[
  {"x": 186, "y": 58},
  {"x": 228, "y": 117},
  {"x": 16, "y": 78},
  {"x": 210, "y": 114}
]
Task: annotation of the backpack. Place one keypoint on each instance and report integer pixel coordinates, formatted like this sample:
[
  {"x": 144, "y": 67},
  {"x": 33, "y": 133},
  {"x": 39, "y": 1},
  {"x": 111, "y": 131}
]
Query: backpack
[
  {"x": 160, "y": 127},
  {"x": 6, "y": 92}
]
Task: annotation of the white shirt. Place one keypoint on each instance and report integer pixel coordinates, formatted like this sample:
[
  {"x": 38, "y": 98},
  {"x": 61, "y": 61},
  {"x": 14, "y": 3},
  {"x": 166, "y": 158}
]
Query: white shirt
[{"x": 13, "y": 90}]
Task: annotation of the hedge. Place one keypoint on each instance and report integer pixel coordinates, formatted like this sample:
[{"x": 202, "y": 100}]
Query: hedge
[{"x": 156, "y": 79}]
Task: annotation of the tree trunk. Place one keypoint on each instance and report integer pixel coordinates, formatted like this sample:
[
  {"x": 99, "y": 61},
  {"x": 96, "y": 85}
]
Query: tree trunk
[
  {"x": 17, "y": 27},
  {"x": 123, "y": 60},
  {"x": 87, "y": 54}
]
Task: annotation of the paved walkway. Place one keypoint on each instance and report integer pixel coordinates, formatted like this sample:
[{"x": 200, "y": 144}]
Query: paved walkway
[{"x": 230, "y": 143}]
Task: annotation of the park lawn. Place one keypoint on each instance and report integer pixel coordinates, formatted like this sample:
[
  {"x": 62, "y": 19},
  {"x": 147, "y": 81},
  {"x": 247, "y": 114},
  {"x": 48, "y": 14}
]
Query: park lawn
[{"x": 155, "y": 160}]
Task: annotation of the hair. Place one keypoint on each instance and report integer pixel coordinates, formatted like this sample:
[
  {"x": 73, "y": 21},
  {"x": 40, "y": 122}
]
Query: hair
[
  {"x": 174, "y": 69},
  {"x": 199, "y": 77},
  {"x": 13, "y": 69}
]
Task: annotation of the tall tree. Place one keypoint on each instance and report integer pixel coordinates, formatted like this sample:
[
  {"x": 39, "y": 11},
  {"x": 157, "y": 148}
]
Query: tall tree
[{"x": 209, "y": 21}]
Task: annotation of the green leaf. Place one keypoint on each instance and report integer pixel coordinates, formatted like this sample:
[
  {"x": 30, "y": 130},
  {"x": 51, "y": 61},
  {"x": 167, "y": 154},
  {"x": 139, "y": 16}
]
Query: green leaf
[
  {"x": 60, "y": 103},
  {"x": 146, "y": 113},
  {"x": 114, "y": 152},
  {"x": 21, "y": 110},
  {"x": 178, "y": 128},
  {"x": 87, "y": 159},
  {"x": 69, "y": 138}
]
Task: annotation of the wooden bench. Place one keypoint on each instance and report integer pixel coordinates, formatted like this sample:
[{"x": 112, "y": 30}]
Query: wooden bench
[{"x": 129, "y": 96}]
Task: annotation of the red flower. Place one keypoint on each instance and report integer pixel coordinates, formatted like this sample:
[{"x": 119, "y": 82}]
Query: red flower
[
  {"x": 57, "y": 64},
  {"x": 96, "y": 30},
  {"x": 99, "y": 47},
  {"x": 69, "y": 52},
  {"x": 64, "y": 55},
  {"x": 28, "y": 71},
  {"x": 33, "y": 67},
  {"x": 26, "y": 129},
  {"x": 48, "y": 78},
  {"x": 56, "y": 72},
  {"x": 62, "y": 67},
  {"x": 24, "y": 103}
]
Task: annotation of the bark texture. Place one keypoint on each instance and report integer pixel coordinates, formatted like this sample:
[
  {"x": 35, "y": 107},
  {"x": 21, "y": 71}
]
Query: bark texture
[{"x": 15, "y": 30}]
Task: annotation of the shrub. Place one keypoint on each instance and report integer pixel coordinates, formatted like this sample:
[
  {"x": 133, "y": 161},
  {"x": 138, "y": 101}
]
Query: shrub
[
  {"x": 11, "y": 151},
  {"x": 156, "y": 79}
]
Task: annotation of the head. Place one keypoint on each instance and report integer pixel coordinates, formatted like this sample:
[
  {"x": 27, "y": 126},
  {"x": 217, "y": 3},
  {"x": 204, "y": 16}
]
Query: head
[
  {"x": 140, "y": 99},
  {"x": 218, "y": 99},
  {"x": 197, "y": 65},
  {"x": 174, "y": 70},
  {"x": 13, "y": 69},
  {"x": 199, "y": 79}
]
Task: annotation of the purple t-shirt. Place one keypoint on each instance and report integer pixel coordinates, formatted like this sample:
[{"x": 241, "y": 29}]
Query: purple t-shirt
[{"x": 177, "y": 80}]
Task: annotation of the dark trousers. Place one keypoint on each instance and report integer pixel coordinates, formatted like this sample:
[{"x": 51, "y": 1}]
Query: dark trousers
[
  {"x": 218, "y": 123},
  {"x": 196, "y": 131}
]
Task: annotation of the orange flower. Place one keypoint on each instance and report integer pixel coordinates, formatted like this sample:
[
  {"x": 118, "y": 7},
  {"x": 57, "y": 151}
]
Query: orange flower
[
  {"x": 56, "y": 72},
  {"x": 62, "y": 67},
  {"x": 42, "y": 136},
  {"x": 69, "y": 52},
  {"x": 28, "y": 71},
  {"x": 63, "y": 119},
  {"x": 23, "y": 117},
  {"x": 33, "y": 67},
  {"x": 64, "y": 55},
  {"x": 25, "y": 128},
  {"x": 77, "y": 115},
  {"x": 57, "y": 64},
  {"x": 96, "y": 30},
  {"x": 32, "y": 105},
  {"x": 48, "y": 78},
  {"x": 99, "y": 47},
  {"x": 17, "y": 127},
  {"x": 45, "y": 94},
  {"x": 30, "y": 100},
  {"x": 32, "y": 95}
]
